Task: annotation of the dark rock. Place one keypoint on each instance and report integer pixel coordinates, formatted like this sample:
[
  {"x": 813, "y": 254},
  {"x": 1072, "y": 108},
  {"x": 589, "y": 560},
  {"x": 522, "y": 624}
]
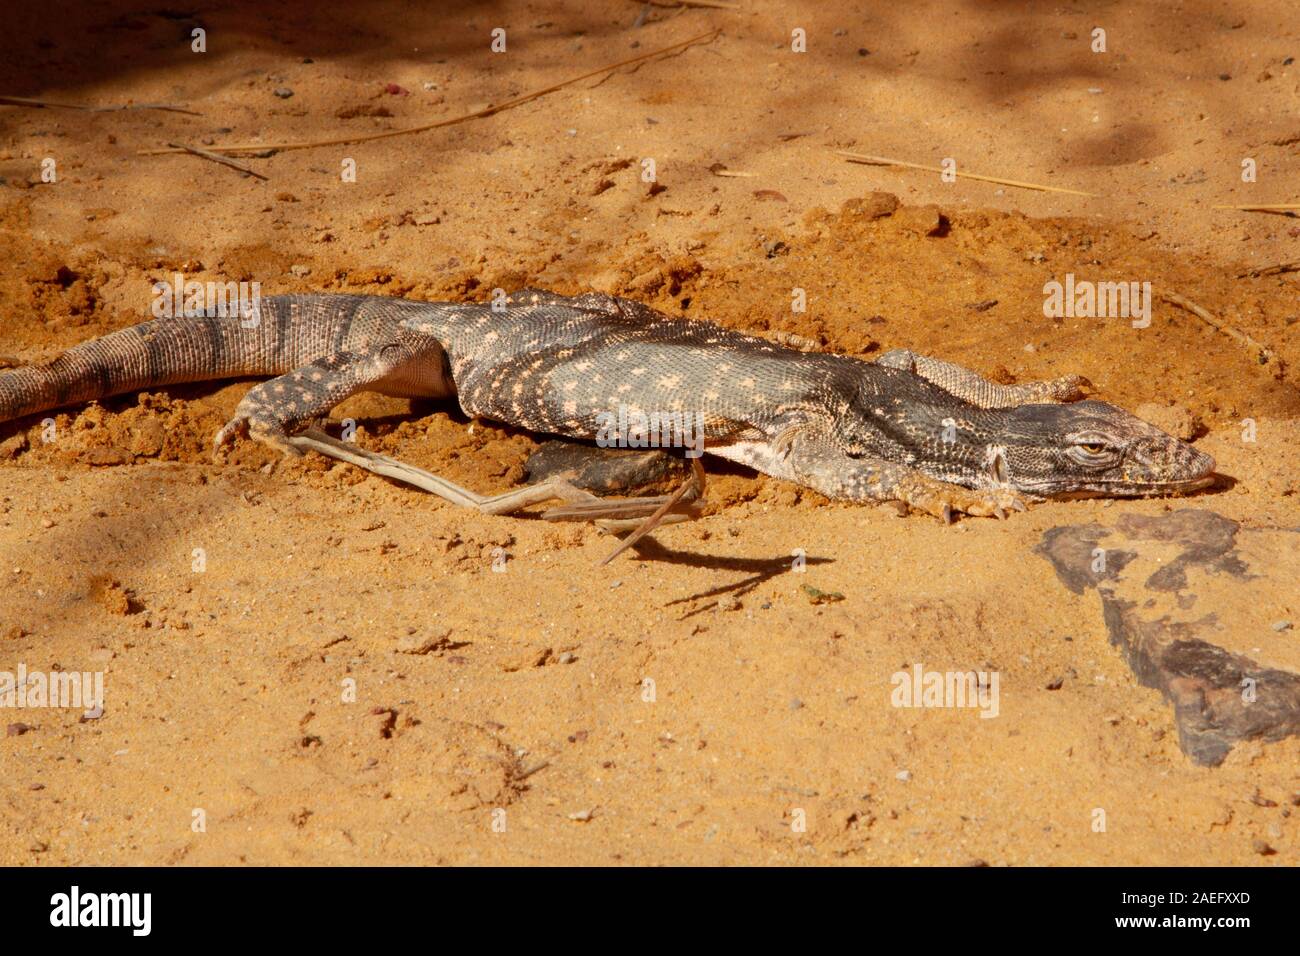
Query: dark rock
[{"x": 1185, "y": 596}]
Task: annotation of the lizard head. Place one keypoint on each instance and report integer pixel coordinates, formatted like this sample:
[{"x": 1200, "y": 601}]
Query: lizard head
[{"x": 1091, "y": 448}]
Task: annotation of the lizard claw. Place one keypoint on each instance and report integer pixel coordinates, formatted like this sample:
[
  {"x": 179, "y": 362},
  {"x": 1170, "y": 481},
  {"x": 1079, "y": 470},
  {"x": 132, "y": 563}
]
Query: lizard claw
[
  {"x": 947, "y": 501},
  {"x": 998, "y": 504},
  {"x": 1070, "y": 388},
  {"x": 250, "y": 426},
  {"x": 237, "y": 427}
]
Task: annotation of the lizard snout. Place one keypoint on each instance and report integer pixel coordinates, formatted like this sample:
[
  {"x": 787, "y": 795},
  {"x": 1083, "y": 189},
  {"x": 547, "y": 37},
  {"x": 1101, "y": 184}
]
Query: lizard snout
[{"x": 1173, "y": 461}]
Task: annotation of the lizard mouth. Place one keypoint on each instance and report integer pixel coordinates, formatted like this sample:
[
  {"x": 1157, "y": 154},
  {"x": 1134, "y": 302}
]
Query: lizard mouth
[{"x": 1127, "y": 489}]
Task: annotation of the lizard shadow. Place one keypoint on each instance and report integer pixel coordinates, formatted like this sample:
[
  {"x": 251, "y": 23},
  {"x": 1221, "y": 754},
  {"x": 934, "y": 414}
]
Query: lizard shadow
[{"x": 760, "y": 569}]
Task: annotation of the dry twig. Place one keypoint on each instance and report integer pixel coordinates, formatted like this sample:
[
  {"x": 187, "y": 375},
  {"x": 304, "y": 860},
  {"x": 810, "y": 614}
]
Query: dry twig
[
  {"x": 883, "y": 161},
  {"x": 477, "y": 114},
  {"x": 1264, "y": 355},
  {"x": 47, "y": 104},
  {"x": 217, "y": 158}
]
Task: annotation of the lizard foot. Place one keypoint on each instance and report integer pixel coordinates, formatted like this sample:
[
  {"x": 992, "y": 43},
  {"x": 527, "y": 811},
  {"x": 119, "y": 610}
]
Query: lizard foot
[
  {"x": 251, "y": 423},
  {"x": 943, "y": 501},
  {"x": 1068, "y": 388}
]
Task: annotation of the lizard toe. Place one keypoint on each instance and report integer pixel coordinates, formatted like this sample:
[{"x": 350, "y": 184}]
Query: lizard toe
[
  {"x": 273, "y": 436},
  {"x": 1071, "y": 388},
  {"x": 237, "y": 427}
]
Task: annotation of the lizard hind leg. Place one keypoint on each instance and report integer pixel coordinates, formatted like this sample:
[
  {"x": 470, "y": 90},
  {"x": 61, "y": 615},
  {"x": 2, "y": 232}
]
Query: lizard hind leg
[
  {"x": 972, "y": 387},
  {"x": 274, "y": 410}
]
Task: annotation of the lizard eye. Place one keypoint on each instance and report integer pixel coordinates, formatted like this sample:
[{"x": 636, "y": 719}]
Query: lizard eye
[{"x": 1091, "y": 450}]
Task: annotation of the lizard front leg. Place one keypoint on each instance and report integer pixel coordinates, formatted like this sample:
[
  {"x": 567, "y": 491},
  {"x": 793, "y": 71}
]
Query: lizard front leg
[
  {"x": 815, "y": 461},
  {"x": 972, "y": 387},
  {"x": 272, "y": 411}
]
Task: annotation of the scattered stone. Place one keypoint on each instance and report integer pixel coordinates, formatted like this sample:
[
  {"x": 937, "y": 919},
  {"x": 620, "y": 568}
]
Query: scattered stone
[
  {"x": 903, "y": 775},
  {"x": 424, "y": 643},
  {"x": 111, "y": 595},
  {"x": 283, "y": 92},
  {"x": 875, "y": 205},
  {"x": 18, "y": 729},
  {"x": 1262, "y": 847},
  {"x": 923, "y": 220},
  {"x": 13, "y": 446},
  {"x": 106, "y": 457},
  {"x": 362, "y": 109}
]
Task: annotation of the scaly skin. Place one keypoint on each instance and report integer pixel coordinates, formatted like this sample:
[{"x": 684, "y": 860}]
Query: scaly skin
[{"x": 906, "y": 428}]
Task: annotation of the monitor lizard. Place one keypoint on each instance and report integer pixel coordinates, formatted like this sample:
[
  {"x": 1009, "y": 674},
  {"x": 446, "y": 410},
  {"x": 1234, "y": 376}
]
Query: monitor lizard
[{"x": 906, "y": 428}]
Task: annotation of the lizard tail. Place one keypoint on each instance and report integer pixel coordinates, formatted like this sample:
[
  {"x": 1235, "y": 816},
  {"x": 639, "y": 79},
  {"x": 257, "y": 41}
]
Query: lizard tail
[{"x": 163, "y": 352}]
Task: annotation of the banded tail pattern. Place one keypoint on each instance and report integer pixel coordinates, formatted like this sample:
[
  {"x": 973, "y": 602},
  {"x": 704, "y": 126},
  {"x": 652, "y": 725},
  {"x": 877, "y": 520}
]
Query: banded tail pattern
[{"x": 290, "y": 331}]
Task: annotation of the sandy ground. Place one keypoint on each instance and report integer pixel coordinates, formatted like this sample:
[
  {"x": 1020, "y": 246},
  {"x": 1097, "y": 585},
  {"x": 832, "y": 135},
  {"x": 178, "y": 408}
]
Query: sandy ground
[{"x": 506, "y": 717}]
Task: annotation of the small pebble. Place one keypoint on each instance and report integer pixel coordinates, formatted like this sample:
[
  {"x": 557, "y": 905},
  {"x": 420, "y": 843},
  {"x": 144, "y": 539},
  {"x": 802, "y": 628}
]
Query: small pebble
[
  {"x": 903, "y": 775},
  {"x": 1281, "y": 626},
  {"x": 283, "y": 92}
]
